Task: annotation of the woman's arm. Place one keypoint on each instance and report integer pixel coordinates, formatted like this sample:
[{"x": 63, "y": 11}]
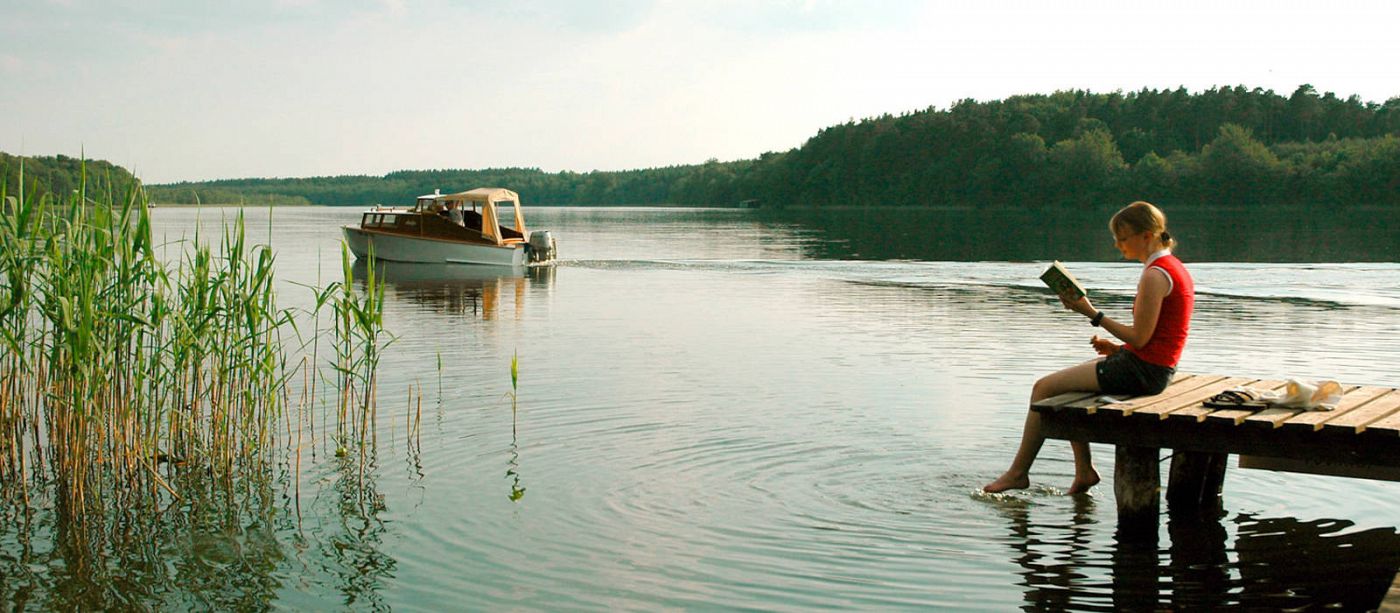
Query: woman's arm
[
  {"x": 1153, "y": 287},
  {"x": 1147, "y": 307}
]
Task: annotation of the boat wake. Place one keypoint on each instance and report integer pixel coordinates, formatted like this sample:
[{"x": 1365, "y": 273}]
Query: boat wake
[{"x": 1350, "y": 285}]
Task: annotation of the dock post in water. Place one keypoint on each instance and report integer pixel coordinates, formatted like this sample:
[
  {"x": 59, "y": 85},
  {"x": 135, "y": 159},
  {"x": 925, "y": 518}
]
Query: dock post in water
[
  {"x": 1195, "y": 481},
  {"x": 1136, "y": 485}
]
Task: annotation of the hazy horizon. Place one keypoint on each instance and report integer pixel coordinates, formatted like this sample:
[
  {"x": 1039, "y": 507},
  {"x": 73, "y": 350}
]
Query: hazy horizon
[{"x": 300, "y": 88}]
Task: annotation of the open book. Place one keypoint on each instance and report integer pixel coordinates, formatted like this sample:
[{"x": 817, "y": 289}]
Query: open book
[{"x": 1062, "y": 282}]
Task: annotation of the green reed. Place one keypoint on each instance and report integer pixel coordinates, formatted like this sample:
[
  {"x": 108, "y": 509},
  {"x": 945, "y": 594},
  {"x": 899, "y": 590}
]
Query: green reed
[
  {"x": 123, "y": 376},
  {"x": 359, "y": 343},
  {"x": 517, "y": 491}
]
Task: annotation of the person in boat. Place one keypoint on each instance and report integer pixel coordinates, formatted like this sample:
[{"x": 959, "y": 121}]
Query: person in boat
[
  {"x": 1146, "y": 359},
  {"x": 454, "y": 213}
]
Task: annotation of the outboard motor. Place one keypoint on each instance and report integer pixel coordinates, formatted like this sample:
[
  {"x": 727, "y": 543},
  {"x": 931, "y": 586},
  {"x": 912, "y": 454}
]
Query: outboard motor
[{"x": 541, "y": 247}]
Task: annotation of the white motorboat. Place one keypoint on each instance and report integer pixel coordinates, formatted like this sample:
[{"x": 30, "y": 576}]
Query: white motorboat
[{"x": 460, "y": 228}]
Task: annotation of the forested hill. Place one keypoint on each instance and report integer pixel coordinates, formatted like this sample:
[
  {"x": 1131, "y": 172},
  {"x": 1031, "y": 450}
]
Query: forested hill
[
  {"x": 1224, "y": 146},
  {"x": 60, "y": 174}
]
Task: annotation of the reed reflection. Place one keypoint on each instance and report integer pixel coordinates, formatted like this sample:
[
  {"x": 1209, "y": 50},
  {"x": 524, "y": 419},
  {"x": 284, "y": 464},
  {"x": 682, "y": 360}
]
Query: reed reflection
[
  {"x": 354, "y": 553},
  {"x": 517, "y": 491},
  {"x": 216, "y": 548},
  {"x": 223, "y": 545}
]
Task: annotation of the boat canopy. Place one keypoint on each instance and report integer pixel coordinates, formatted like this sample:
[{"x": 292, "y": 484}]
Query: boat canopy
[{"x": 488, "y": 198}]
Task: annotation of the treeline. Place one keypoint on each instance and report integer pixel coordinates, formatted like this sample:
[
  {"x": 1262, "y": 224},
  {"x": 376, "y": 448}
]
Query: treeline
[
  {"x": 1223, "y": 146},
  {"x": 60, "y": 175},
  {"x": 670, "y": 185}
]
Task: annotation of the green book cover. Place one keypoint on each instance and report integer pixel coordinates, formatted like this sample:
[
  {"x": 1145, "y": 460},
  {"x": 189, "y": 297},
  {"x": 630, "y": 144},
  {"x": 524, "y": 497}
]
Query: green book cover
[{"x": 1063, "y": 282}]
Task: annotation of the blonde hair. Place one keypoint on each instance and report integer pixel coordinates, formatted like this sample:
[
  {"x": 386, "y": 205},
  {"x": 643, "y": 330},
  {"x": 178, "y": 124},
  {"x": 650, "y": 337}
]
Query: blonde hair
[{"x": 1140, "y": 217}]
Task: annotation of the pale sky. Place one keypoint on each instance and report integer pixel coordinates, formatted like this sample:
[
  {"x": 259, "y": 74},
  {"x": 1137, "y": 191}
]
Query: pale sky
[{"x": 193, "y": 90}]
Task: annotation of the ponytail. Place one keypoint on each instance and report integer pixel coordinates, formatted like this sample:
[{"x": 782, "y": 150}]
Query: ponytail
[{"x": 1142, "y": 217}]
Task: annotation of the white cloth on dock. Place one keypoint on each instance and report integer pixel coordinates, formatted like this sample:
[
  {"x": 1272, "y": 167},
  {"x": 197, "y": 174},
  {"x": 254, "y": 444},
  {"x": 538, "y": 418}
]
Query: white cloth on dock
[{"x": 1309, "y": 395}]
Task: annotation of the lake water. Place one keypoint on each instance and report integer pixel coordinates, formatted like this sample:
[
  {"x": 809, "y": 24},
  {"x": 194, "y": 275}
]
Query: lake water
[{"x": 779, "y": 410}]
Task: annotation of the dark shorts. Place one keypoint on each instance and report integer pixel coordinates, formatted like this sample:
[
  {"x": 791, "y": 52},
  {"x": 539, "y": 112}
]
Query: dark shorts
[{"x": 1125, "y": 373}]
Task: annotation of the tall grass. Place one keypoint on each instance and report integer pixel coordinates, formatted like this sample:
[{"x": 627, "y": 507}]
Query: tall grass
[
  {"x": 359, "y": 344},
  {"x": 123, "y": 375}
]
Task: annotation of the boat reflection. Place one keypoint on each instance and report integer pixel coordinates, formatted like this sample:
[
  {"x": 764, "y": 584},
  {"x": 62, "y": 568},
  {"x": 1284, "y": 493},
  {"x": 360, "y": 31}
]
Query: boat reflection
[{"x": 460, "y": 289}]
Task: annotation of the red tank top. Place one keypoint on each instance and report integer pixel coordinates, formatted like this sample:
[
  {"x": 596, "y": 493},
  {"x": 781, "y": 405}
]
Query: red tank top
[{"x": 1168, "y": 339}]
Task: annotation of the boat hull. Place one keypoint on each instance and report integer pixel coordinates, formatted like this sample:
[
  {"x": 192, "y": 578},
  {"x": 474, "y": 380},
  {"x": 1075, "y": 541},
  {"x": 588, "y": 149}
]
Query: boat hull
[{"x": 400, "y": 248}]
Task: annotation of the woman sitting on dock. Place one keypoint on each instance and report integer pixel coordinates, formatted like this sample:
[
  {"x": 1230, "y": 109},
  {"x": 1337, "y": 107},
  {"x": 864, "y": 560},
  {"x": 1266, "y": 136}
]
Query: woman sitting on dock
[{"x": 1146, "y": 361}]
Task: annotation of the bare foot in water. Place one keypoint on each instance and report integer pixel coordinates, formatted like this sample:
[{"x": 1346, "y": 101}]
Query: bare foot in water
[
  {"x": 1083, "y": 483},
  {"x": 1007, "y": 481}
]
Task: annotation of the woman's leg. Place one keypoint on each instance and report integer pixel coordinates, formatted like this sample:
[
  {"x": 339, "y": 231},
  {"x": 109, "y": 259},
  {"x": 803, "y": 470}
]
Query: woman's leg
[{"x": 1081, "y": 377}]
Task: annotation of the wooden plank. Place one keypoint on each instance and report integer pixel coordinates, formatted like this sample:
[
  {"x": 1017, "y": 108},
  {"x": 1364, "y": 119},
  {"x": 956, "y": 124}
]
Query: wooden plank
[
  {"x": 1387, "y": 426},
  {"x": 1092, "y": 403},
  {"x": 1199, "y": 411},
  {"x": 1089, "y": 400},
  {"x": 1058, "y": 402},
  {"x": 1181, "y": 384},
  {"x": 1314, "y": 467},
  {"x": 1178, "y": 388},
  {"x": 1271, "y": 418},
  {"x": 1391, "y": 604},
  {"x": 1353, "y": 398},
  {"x": 1167, "y": 397},
  {"x": 1233, "y": 417},
  {"x": 1187, "y": 402},
  {"x": 1357, "y": 419},
  {"x": 1236, "y": 417}
]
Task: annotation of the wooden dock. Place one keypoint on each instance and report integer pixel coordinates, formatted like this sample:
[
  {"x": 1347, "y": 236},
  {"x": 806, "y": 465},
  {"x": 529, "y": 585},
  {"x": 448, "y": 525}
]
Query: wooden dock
[
  {"x": 1391, "y": 603},
  {"x": 1360, "y": 438}
]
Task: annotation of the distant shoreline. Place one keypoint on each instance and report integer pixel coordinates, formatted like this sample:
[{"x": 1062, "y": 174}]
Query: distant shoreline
[
  {"x": 1108, "y": 207},
  {"x": 244, "y": 205},
  {"x": 172, "y": 205}
]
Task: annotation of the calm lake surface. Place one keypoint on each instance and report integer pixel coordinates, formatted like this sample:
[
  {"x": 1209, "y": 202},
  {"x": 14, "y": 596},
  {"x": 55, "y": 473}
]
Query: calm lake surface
[{"x": 779, "y": 410}]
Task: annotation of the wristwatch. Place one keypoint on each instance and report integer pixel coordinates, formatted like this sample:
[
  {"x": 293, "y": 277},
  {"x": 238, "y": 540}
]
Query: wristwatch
[{"x": 1097, "y": 319}]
